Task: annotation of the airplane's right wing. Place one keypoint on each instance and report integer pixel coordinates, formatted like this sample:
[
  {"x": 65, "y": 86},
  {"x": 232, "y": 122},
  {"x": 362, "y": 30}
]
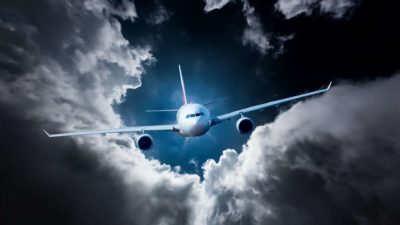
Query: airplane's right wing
[
  {"x": 170, "y": 127},
  {"x": 221, "y": 118}
]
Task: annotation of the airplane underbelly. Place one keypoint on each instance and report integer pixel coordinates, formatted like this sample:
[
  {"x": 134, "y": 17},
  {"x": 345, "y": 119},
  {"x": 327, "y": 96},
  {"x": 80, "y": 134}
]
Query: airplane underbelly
[{"x": 194, "y": 128}]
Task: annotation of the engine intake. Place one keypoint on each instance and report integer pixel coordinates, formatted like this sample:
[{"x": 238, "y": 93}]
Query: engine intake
[
  {"x": 144, "y": 142},
  {"x": 244, "y": 125}
]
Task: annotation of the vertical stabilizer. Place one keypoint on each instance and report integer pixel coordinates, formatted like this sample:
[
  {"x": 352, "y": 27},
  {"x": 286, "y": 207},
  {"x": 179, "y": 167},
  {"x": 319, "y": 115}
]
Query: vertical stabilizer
[{"x": 183, "y": 86}]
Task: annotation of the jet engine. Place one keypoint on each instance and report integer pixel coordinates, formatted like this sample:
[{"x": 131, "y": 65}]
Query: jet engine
[
  {"x": 144, "y": 142},
  {"x": 244, "y": 125}
]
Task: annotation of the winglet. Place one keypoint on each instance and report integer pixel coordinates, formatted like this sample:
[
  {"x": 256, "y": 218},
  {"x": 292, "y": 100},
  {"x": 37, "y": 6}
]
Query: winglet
[
  {"x": 329, "y": 86},
  {"x": 48, "y": 135}
]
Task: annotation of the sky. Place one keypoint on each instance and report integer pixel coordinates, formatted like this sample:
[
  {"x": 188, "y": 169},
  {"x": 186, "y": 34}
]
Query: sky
[{"x": 92, "y": 64}]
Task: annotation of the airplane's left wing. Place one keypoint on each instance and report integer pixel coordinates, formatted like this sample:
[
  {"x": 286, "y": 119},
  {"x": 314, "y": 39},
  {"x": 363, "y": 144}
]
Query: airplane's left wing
[
  {"x": 221, "y": 118},
  {"x": 170, "y": 127}
]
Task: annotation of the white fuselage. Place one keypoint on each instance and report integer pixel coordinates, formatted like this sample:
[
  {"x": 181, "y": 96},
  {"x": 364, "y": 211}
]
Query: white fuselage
[{"x": 193, "y": 120}]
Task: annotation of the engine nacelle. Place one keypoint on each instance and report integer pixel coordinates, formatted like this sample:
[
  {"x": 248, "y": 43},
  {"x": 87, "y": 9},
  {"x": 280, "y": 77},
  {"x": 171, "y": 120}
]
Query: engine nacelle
[
  {"x": 244, "y": 125},
  {"x": 144, "y": 142}
]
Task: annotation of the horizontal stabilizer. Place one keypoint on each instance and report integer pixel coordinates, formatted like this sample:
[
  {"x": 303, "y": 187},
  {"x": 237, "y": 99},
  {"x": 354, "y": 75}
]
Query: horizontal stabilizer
[
  {"x": 214, "y": 101},
  {"x": 162, "y": 110}
]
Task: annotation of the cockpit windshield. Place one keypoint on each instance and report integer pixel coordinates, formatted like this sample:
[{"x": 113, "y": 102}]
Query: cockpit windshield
[{"x": 195, "y": 114}]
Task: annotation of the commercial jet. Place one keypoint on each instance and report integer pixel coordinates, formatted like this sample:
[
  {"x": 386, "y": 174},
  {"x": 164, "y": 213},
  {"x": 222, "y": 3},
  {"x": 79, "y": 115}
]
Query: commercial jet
[{"x": 192, "y": 119}]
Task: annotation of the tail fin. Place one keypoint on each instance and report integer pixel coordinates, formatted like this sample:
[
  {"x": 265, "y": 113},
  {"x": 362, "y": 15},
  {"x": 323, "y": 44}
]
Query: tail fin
[{"x": 183, "y": 86}]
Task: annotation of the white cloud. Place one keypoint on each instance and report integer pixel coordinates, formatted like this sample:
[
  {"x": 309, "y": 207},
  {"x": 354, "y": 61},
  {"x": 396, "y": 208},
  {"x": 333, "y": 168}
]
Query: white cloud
[
  {"x": 215, "y": 4},
  {"x": 335, "y": 8},
  {"x": 337, "y": 138},
  {"x": 254, "y": 34}
]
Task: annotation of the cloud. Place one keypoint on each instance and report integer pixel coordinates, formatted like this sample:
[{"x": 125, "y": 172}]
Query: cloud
[
  {"x": 63, "y": 66},
  {"x": 331, "y": 160},
  {"x": 254, "y": 34},
  {"x": 123, "y": 8},
  {"x": 215, "y": 4},
  {"x": 335, "y": 8},
  {"x": 280, "y": 43},
  {"x": 256, "y": 37},
  {"x": 160, "y": 15}
]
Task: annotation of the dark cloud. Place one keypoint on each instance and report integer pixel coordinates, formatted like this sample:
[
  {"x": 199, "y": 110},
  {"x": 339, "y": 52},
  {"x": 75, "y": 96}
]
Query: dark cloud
[
  {"x": 45, "y": 182},
  {"x": 64, "y": 65}
]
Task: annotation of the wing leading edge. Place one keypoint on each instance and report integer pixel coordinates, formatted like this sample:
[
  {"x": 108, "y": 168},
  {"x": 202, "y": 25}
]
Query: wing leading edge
[
  {"x": 221, "y": 118},
  {"x": 171, "y": 127}
]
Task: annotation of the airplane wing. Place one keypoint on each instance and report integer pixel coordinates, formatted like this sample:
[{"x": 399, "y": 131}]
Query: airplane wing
[
  {"x": 221, "y": 118},
  {"x": 171, "y": 127}
]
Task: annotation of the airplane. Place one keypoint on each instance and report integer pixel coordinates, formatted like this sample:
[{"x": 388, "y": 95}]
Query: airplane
[{"x": 192, "y": 119}]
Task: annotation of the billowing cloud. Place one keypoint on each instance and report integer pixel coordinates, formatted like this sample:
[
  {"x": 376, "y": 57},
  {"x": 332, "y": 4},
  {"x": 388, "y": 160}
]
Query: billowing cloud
[
  {"x": 335, "y": 8},
  {"x": 63, "y": 65},
  {"x": 332, "y": 160}
]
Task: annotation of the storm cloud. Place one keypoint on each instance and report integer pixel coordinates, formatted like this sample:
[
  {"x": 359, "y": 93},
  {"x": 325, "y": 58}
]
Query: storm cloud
[
  {"x": 332, "y": 159},
  {"x": 329, "y": 160},
  {"x": 64, "y": 65}
]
